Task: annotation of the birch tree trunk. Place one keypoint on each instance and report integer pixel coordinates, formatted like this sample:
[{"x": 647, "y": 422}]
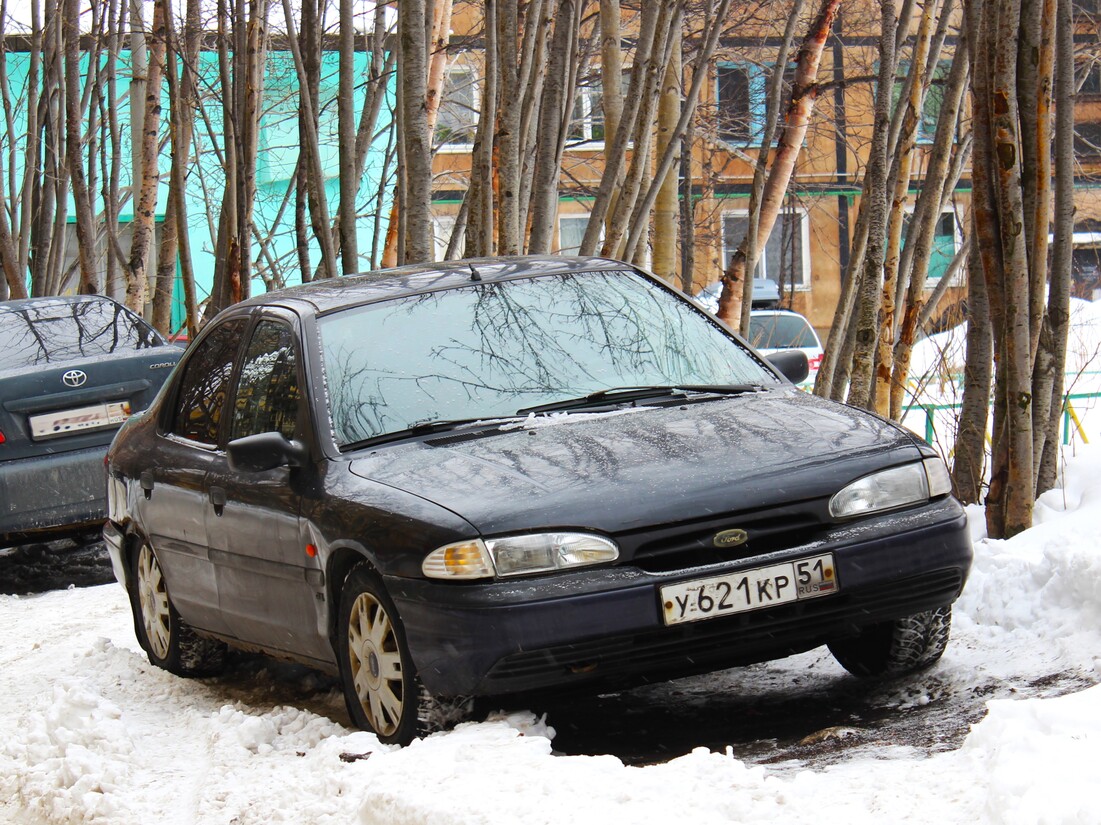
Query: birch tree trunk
[
  {"x": 926, "y": 215},
  {"x": 311, "y": 150},
  {"x": 1057, "y": 320},
  {"x": 867, "y": 306},
  {"x": 666, "y": 211},
  {"x": 611, "y": 78},
  {"x": 550, "y": 141},
  {"x": 74, "y": 120},
  {"x": 803, "y": 94},
  {"x": 616, "y": 157},
  {"x": 1000, "y": 223},
  {"x": 969, "y": 465},
  {"x": 480, "y": 223},
  {"x": 346, "y": 127},
  {"x": 507, "y": 135},
  {"x": 145, "y": 207},
  {"x": 903, "y": 159},
  {"x": 415, "y": 137}
]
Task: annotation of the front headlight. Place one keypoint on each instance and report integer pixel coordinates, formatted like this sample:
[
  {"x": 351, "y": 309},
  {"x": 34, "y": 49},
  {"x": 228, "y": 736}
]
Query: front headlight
[
  {"x": 885, "y": 490},
  {"x": 518, "y": 555}
]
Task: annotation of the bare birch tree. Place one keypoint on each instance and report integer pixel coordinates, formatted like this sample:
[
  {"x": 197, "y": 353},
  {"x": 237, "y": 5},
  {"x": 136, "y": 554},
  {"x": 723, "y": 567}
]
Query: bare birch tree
[{"x": 804, "y": 92}]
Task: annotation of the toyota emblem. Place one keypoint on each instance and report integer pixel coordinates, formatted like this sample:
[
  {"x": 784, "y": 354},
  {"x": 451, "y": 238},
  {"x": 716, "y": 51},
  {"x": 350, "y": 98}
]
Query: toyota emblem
[{"x": 74, "y": 378}]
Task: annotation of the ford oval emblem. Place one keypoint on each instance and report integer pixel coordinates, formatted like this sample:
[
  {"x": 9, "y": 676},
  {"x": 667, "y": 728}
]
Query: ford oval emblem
[
  {"x": 74, "y": 378},
  {"x": 730, "y": 538}
]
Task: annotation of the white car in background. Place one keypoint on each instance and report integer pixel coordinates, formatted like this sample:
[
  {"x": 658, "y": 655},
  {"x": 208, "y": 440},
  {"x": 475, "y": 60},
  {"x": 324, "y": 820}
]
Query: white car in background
[{"x": 772, "y": 330}]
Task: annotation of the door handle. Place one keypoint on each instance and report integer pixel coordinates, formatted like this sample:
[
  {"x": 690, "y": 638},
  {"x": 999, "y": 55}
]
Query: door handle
[{"x": 218, "y": 499}]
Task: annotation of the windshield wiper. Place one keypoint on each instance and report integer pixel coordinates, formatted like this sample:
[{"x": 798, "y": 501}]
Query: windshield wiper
[
  {"x": 422, "y": 428},
  {"x": 621, "y": 395}
]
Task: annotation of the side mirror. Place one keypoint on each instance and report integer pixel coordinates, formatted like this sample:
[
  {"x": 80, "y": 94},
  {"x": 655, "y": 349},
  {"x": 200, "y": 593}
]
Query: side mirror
[
  {"x": 264, "y": 451},
  {"x": 792, "y": 364}
]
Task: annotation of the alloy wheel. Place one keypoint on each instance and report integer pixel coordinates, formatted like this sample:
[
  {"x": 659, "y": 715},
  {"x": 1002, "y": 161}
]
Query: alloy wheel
[
  {"x": 153, "y": 599},
  {"x": 376, "y": 665}
]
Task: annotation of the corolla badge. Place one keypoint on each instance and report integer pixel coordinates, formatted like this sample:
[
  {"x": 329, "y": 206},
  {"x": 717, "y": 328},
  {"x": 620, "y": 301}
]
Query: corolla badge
[
  {"x": 730, "y": 538},
  {"x": 74, "y": 378}
]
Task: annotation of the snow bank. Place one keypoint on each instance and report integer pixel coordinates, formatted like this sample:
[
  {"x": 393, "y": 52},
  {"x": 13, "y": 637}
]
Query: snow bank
[{"x": 91, "y": 733}]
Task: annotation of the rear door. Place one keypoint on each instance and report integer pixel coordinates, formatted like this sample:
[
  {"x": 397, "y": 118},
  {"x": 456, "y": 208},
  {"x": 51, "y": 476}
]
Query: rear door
[{"x": 267, "y": 581}]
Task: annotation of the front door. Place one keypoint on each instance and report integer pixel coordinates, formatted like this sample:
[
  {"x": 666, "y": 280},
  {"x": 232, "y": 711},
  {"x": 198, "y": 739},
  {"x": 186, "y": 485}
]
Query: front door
[{"x": 267, "y": 581}]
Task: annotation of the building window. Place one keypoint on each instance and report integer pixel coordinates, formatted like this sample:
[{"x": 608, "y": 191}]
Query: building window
[
  {"x": 932, "y": 103},
  {"x": 442, "y": 228},
  {"x": 1087, "y": 138},
  {"x": 457, "y": 120},
  {"x": 946, "y": 240},
  {"x": 740, "y": 96},
  {"x": 786, "y": 257},
  {"x": 1089, "y": 77},
  {"x": 571, "y": 231},
  {"x": 587, "y": 118}
]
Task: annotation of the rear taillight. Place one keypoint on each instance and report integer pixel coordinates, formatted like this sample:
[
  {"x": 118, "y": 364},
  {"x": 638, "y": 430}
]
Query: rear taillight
[
  {"x": 1, "y": 436},
  {"x": 815, "y": 362}
]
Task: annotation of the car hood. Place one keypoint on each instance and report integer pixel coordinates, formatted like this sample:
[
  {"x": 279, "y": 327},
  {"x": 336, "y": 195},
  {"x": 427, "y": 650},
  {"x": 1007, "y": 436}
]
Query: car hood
[{"x": 643, "y": 466}]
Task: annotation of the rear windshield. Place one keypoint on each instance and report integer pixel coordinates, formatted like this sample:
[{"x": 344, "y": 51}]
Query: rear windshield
[
  {"x": 488, "y": 350},
  {"x": 53, "y": 331},
  {"x": 780, "y": 332}
]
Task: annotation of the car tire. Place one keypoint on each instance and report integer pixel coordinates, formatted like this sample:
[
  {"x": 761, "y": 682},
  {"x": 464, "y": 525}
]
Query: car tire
[
  {"x": 381, "y": 687},
  {"x": 167, "y": 640},
  {"x": 898, "y": 647}
]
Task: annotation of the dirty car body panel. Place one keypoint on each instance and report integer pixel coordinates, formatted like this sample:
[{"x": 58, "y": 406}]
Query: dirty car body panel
[{"x": 382, "y": 421}]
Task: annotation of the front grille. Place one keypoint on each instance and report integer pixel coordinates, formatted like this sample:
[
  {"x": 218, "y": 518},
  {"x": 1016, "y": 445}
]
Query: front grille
[
  {"x": 727, "y": 642},
  {"x": 691, "y": 545}
]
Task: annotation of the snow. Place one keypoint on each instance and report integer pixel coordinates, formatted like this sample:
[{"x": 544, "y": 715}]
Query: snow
[
  {"x": 90, "y": 732},
  {"x": 939, "y": 360}
]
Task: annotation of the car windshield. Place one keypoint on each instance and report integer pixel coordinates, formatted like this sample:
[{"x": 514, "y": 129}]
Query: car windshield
[
  {"x": 780, "y": 331},
  {"x": 488, "y": 350},
  {"x": 41, "y": 332}
]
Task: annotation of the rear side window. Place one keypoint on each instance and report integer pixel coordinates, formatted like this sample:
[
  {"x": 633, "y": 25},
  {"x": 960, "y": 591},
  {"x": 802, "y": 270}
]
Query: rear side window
[
  {"x": 41, "y": 332},
  {"x": 204, "y": 383},
  {"x": 267, "y": 392}
]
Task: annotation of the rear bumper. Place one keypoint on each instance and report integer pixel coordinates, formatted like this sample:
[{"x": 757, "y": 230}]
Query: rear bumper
[
  {"x": 52, "y": 496},
  {"x": 604, "y": 627},
  {"x": 115, "y": 541}
]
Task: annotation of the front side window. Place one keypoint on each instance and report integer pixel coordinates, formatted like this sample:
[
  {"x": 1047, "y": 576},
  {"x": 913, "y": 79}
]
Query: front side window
[
  {"x": 204, "y": 381},
  {"x": 488, "y": 350},
  {"x": 267, "y": 391}
]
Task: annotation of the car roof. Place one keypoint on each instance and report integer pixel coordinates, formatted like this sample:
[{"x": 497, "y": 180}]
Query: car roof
[
  {"x": 777, "y": 311},
  {"x": 350, "y": 290},
  {"x": 20, "y": 304}
]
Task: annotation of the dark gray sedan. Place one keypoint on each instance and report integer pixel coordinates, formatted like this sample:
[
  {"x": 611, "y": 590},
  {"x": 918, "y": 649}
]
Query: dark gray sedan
[
  {"x": 504, "y": 475},
  {"x": 71, "y": 371}
]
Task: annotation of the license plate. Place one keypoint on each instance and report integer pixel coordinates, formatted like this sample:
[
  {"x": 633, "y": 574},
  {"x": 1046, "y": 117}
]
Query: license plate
[
  {"x": 749, "y": 590},
  {"x": 67, "y": 422}
]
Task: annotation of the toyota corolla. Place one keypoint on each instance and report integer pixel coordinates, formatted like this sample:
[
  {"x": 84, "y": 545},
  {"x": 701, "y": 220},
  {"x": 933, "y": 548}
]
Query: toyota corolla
[{"x": 501, "y": 475}]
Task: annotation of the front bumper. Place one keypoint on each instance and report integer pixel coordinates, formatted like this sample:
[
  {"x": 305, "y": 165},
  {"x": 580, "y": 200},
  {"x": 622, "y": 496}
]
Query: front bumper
[
  {"x": 52, "y": 495},
  {"x": 603, "y": 627}
]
